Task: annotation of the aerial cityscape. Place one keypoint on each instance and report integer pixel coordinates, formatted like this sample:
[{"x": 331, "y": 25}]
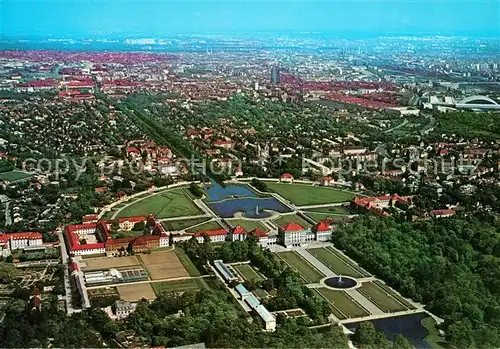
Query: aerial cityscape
[{"x": 250, "y": 174}]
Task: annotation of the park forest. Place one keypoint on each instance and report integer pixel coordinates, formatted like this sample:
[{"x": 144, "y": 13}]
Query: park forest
[{"x": 451, "y": 265}]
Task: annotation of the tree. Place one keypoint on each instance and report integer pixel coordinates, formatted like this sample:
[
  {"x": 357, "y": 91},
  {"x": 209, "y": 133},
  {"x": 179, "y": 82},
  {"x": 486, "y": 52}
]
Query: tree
[
  {"x": 365, "y": 334},
  {"x": 400, "y": 342},
  {"x": 139, "y": 226},
  {"x": 115, "y": 225},
  {"x": 196, "y": 190},
  {"x": 445, "y": 263},
  {"x": 259, "y": 184},
  {"x": 7, "y": 272}
]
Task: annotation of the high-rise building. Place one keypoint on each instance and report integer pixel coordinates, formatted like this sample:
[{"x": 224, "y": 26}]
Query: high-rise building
[{"x": 275, "y": 75}]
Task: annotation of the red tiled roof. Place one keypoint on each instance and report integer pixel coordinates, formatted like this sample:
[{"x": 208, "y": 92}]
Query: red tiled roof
[
  {"x": 323, "y": 226},
  {"x": 96, "y": 246},
  {"x": 211, "y": 232},
  {"x": 239, "y": 230},
  {"x": 35, "y": 302},
  {"x": 89, "y": 217},
  {"x": 259, "y": 233},
  {"x": 72, "y": 267},
  {"x": 129, "y": 219},
  {"x": 286, "y": 175},
  {"x": 133, "y": 150},
  {"x": 292, "y": 226},
  {"x": 442, "y": 212},
  {"x": 222, "y": 141},
  {"x": 74, "y": 240},
  {"x": 88, "y": 84},
  {"x": 20, "y": 236}
]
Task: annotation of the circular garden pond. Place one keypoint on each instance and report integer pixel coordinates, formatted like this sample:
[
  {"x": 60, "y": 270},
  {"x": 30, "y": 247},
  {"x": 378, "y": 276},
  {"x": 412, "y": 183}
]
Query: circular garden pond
[{"x": 340, "y": 282}]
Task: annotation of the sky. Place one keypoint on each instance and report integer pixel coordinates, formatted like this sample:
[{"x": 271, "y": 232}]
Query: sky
[{"x": 153, "y": 18}]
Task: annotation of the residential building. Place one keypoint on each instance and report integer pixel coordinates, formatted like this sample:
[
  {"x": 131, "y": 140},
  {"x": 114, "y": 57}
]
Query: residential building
[
  {"x": 14, "y": 241},
  {"x": 286, "y": 178},
  {"x": 442, "y": 213},
  {"x": 123, "y": 309}
]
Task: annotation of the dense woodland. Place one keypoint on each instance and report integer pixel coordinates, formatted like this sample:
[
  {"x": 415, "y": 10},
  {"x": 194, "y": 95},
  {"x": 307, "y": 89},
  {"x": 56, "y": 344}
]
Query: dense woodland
[
  {"x": 215, "y": 319},
  {"x": 451, "y": 265},
  {"x": 367, "y": 336},
  {"x": 469, "y": 125},
  {"x": 211, "y": 317}
]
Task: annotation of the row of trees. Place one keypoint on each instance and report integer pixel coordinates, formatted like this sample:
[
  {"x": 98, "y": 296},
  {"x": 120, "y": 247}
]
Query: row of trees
[
  {"x": 452, "y": 265},
  {"x": 366, "y": 336}
]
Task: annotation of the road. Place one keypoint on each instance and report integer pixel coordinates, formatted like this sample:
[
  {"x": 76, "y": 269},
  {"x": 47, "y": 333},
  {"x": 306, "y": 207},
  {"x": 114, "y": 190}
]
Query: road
[
  {"x": 430, "y": 126},
  {"x": 382, "y": 316},
  {"x": 396, "y": 127},
  {"x": 65, "y": 262},
  {"x": 146, "y": 282},
  {"x": 8, "y": 220},
  {"x": 321, "y": 205},
  {"x": 184, "y": 217}
]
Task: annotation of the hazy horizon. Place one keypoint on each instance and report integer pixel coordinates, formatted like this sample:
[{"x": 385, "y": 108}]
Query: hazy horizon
[{"x": 81, "y": 18}]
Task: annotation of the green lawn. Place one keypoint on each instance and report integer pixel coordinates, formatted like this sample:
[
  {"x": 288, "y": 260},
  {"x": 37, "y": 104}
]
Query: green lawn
[
  {"x": 260, "y": 293},
  {"x": 380, "y": 298},
  {"x": 304, "y": 194},
  {"x": 248, "y": 225},
  {"x": 168, "y": 204},
  {"x": 289, "y": 218},
  {"x": 401, "y": 299},
  {"x": 318, "y": 217},
  {"x": 433, "y": 338},
  {"x": 333, "y": 308},
  {"x": 343, "y": 302},
  {"x": 182, "y": 224},
  {"x": 109, "y": 214},
  {"x": 247, "y": 272},
  {"x": 13, "y": 176},
  {"x": 347, "y": 261},
  {"x": 334, "y": 263},
  {"x": 187, "y": 262},
  {"x": 129, "y": 233},
  {"x": 143, "y": 195},
  {"x": 308, "y": 272},
  {"x": 179, "y": 286},
  {"x": 212, "y": 225},
  {"x": 333, "y": 210}
]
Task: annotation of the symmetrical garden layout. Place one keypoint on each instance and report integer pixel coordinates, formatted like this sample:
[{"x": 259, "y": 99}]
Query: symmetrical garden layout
[
  {"x": 236, "y": 204},
  {"x": 352, "y": 293},
  {"x": 364, "y": 297}
]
